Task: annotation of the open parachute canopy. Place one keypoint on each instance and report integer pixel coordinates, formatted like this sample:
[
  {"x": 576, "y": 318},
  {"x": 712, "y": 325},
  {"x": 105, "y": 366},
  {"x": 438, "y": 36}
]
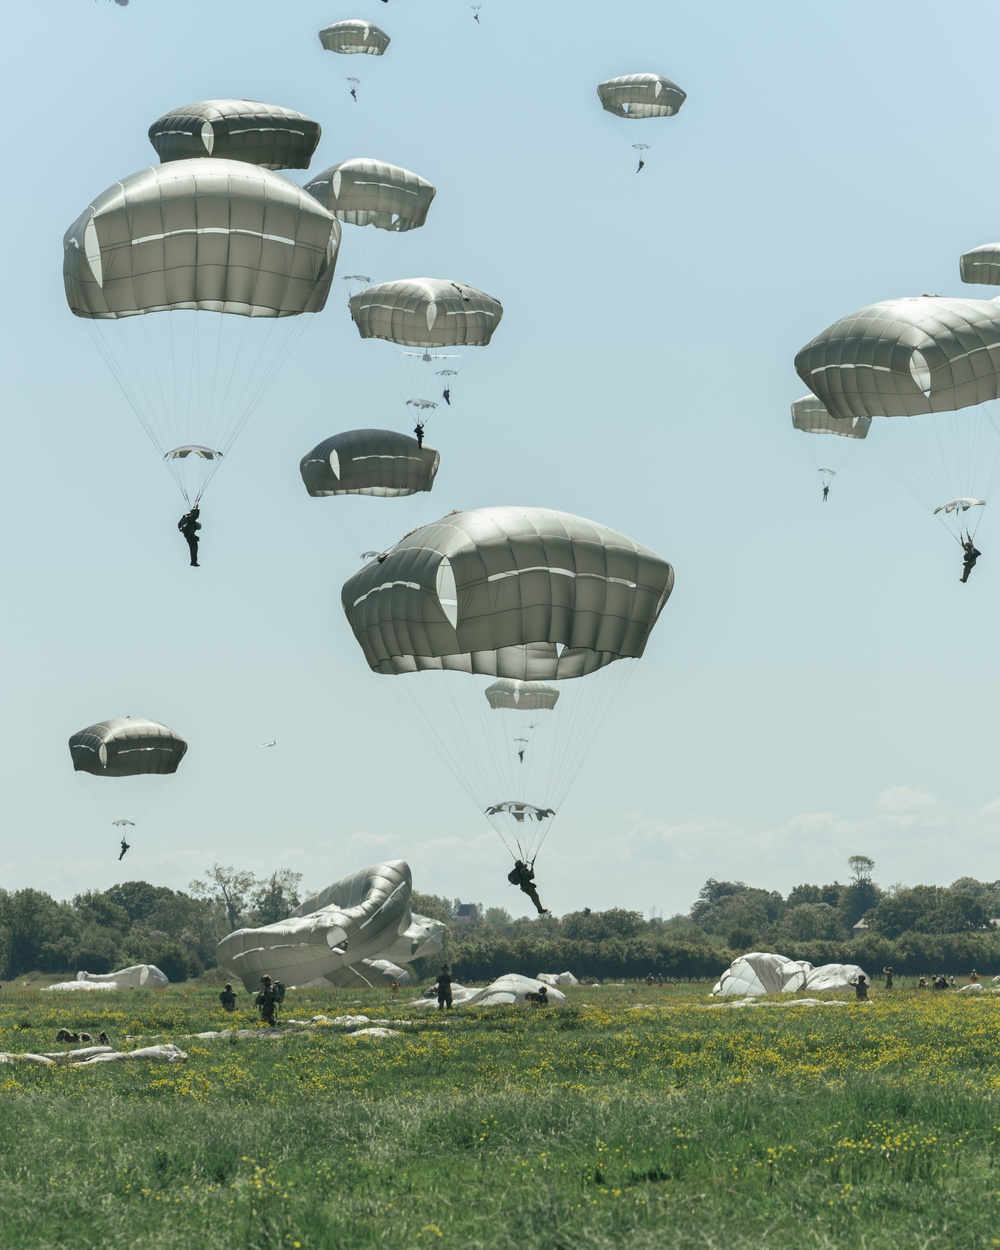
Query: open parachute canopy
[
  {"x": 810, "y": 416},
  {"x": 366, "y": 192},
  {"x": 194, "y": 239},
  {"x": 490, "y": 606},
  {"x": 981, "y": 265},
  {"x": 426, "y": 312},
  {"x": 126, "y": 747},
  {"x": 381, "y": 463},
  {"x": 354, "y": 36},
  {"x": 136, "y": 753},
  {"x": 237, "y": 130},
  {"x": 639, "y": 96},
  {"x": 930, "y": 358},
  {"x": 528, "y": 593},
  {"x": 905, "y": 357}
]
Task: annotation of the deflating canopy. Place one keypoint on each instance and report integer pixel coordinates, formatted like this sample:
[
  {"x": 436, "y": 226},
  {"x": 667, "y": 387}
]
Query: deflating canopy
[
  {"x": 526, "y": 696},
  {"x": 528, "y": 593},
  {"x": 809, "y": 415},
  {"x": 366, "y": 192},
  {"x": 218, "y": 235},
  {"x": 426, "y": 312},
  {"x": 981, "y": 264},
  {"x": 126, "y": 747},
  {"x": 904, "y": 357},
  {"x": 641, "y": 95},
  {"x": 381, "y": 463},
  {"x": 359, "y": 917},
  {"x": 354, "y": 35},
  {"x": 238, "y": 130}
]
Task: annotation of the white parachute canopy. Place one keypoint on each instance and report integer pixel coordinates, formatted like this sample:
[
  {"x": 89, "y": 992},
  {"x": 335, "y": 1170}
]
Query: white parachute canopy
[
  {"x": 364, "y": 916},
  {"x": 137, "y": 977},
  {"x": 749, "y": 976},
  {"x": 506, "y": 991}
]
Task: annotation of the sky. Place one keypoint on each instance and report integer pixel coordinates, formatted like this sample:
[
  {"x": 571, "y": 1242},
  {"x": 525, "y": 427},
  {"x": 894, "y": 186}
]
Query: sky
[{"x": 819, "y": 684}]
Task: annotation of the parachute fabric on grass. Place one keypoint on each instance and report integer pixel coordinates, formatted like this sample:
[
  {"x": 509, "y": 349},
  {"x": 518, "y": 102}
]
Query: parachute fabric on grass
[
  {"x": 381, "y": 463},
  {"x": 981, "y": 265},
  {"x": 366, "y": 192},
  {"x": 761, "y": 973},
  {"x": 136, "y": 977},
  {"x": 238, "y": 130},
  {"x": 528, "y": 593},
  {"x": 360, "y": 917},
  {"x": 505, "y": 991},
  {"x": 202, "y": 237},
  {"x": 354, "y": 36}
]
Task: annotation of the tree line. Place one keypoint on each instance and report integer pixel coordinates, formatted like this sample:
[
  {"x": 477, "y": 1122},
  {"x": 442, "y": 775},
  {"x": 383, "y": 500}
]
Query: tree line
[{"x": 916, "y": 929}]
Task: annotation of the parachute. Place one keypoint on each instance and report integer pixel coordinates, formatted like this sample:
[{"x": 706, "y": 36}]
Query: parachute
[
  {"x": 641, "y": 98},
  {"x": 981, "y": 265},
  {"x": 238, "y": 130},
  {"x": 364, "y": 916},
  {"x": 366, "y": 192},
  {"x": 526, "y": 595},
  {"x": 932, "y": 359},
  {"x": 525, "y": 696},
  {"x": 194, "y": 239},
  {"x": 370, "y": 473},
  {"x": 136, "y": 753},
  {"x": 417, "y": 315},
  {"x": 811, "y": 417},
  {"x": 354, "y": 36}
]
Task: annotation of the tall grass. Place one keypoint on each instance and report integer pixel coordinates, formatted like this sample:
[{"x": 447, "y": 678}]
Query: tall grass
[{"x": 590, "y": 1126}]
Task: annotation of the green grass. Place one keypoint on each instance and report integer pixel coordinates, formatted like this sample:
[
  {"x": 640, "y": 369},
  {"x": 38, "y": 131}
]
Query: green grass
[{"x": 589, "y": 1126}]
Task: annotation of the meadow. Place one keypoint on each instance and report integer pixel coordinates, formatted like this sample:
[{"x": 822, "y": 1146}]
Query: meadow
[{"x": 620, "y": 1119}]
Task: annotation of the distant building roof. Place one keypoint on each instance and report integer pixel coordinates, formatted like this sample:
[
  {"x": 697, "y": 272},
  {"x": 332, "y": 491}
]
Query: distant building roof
[
  {"x": 861, "y": 925},
  {"x": 467, "y": 911}
]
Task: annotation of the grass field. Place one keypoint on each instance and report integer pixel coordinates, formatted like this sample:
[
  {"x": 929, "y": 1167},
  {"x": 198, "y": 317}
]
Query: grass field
[{"x": 637, "y": 1120}]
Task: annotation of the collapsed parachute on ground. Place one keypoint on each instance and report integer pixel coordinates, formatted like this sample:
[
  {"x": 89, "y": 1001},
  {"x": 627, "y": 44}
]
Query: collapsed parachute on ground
[
  {"x": 380, "y": 463},
  {"x": 640, "y": 96},
  {"x": 237, "y": 130},
  {"x": 204, "y": 237},
  {"x": 981, "y": 265},
  {"x": 354, "y": 36},
  {"x": 558, "y": 978},
  {"x": 137, "y": 977},
  {"x": 364, "y": 916},
  {"x": 366, "y": 192},
  {"x": 760, "y": 973},
  {"x": 126, "y": 747},
  {"x": 367, "y": 973},
  {"x": 506, "y": 991},
  {"x": 527, "y": 593}
]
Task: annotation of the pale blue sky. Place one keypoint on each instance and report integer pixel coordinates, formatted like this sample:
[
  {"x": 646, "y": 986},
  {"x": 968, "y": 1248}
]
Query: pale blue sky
[{"x": 819, "y": 684}]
